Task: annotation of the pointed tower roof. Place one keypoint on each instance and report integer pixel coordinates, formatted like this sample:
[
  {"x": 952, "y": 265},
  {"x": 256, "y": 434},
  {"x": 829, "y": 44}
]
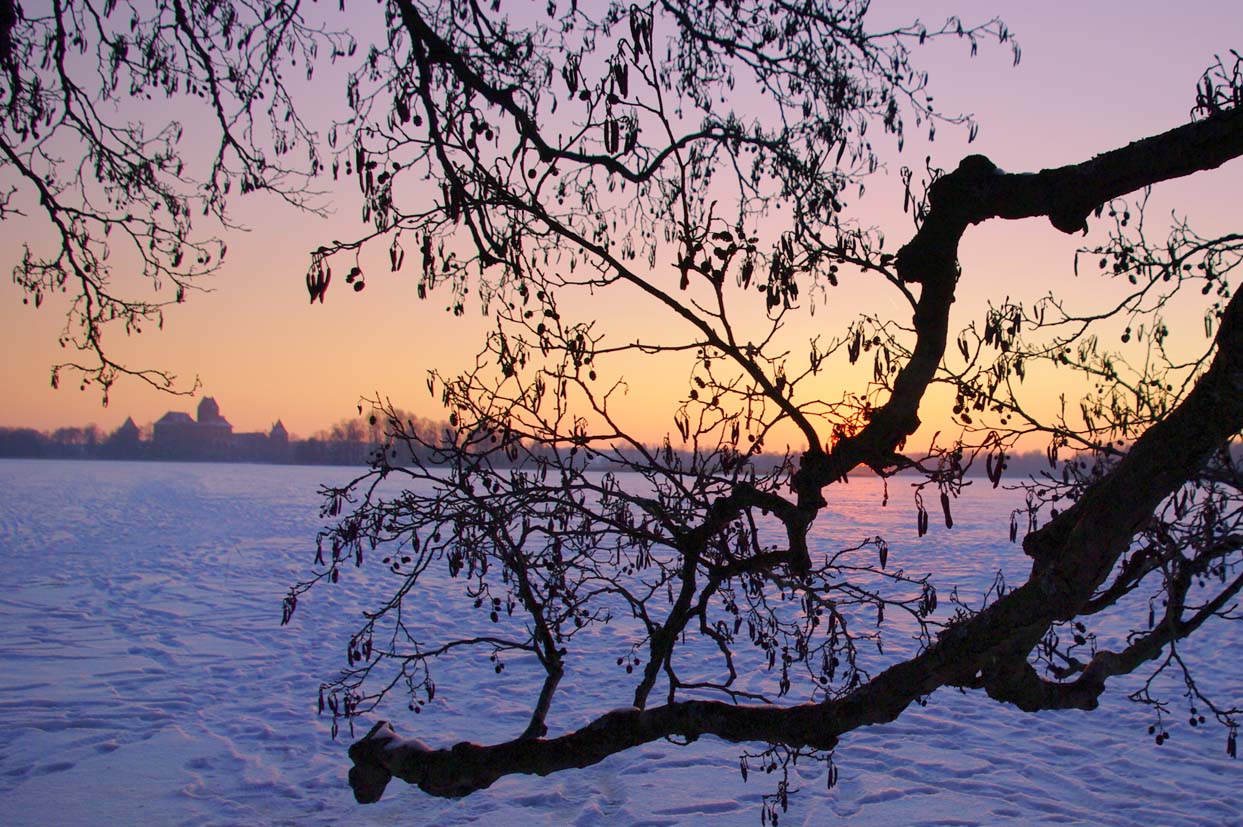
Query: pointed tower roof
[
  {"x": 127, "y": 432},
  {"x": 208, "y": 410},
  {"x": 209, "y": 414}
]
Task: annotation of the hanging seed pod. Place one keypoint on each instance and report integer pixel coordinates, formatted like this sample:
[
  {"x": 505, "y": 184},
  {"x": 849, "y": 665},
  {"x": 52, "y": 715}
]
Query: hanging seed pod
[
  {"x": 632, "y": 137},
  {"x": 610, "y": 136},
  {"x": 621, "y": 76},
  {"x": 570, "y": 73}
]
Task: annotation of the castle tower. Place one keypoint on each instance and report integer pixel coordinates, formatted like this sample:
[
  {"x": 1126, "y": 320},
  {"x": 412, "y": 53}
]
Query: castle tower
[{"x": 209, "y": 411}]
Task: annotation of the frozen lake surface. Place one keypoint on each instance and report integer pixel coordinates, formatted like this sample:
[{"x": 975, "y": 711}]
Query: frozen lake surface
[{"x": 145, "y": 679}]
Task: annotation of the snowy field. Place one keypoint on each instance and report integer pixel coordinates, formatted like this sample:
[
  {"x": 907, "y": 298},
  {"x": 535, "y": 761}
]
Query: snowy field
[{"x": 145, "y": 679}]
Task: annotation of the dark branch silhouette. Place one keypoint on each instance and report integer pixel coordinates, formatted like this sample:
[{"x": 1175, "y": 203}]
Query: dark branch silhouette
[{"x": 1074, "y": 553}]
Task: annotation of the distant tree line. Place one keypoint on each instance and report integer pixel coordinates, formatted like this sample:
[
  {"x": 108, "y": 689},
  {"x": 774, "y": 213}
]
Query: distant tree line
[
  {"x": 358, "y": 440},
  {"x": 60, "y": 443},
  {"x": 350, "y": 441}
]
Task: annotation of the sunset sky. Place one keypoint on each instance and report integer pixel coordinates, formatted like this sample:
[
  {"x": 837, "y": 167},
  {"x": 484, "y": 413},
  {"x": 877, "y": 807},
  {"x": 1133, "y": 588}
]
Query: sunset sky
[{"x": 1093, "y": 76}]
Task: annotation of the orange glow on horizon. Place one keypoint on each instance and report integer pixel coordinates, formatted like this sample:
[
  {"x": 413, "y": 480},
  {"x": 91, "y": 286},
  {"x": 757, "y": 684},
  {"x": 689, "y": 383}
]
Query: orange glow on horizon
[{"x": 265, "y": 354}]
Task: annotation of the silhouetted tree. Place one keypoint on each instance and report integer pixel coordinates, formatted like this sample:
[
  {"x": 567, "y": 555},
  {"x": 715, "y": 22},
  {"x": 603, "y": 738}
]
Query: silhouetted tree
[
  {"x": 700, "y": 155},
  {"x": 346, "y": 430},
  {"x": 629, "y": 191},
  {"x": 23, "y": 442},
  {"x": 371, "y": 431},
  {"x": 74, "y": 436}
]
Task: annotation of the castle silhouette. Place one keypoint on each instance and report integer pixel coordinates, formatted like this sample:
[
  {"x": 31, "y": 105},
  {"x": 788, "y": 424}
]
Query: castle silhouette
[{"x": 177, "y": 435}]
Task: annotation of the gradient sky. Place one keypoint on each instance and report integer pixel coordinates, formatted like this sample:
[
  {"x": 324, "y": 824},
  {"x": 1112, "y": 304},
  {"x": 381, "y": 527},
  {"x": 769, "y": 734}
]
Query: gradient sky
[{"x": 1094, "y": 75}]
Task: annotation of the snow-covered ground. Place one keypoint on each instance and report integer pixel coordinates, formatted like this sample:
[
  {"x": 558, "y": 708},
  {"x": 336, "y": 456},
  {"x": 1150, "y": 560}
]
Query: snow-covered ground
[{"x": 145, "y": 679}]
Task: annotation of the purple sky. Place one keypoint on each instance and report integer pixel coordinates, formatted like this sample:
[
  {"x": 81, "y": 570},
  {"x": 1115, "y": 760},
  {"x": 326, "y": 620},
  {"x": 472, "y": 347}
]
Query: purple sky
[{"x": 1094, "y": 75}]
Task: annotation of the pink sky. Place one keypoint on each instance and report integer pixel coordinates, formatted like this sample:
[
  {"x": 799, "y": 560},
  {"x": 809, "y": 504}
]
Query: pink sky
[{"x": 1094, "y": 75}]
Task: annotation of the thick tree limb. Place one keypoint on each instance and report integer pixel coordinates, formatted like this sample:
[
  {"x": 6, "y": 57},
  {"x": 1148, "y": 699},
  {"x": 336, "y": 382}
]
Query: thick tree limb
[
  {"x": 977, "y": 191},
  {"x": 1073, "y": 554},
  {"x": 1027, "y": 690}
]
